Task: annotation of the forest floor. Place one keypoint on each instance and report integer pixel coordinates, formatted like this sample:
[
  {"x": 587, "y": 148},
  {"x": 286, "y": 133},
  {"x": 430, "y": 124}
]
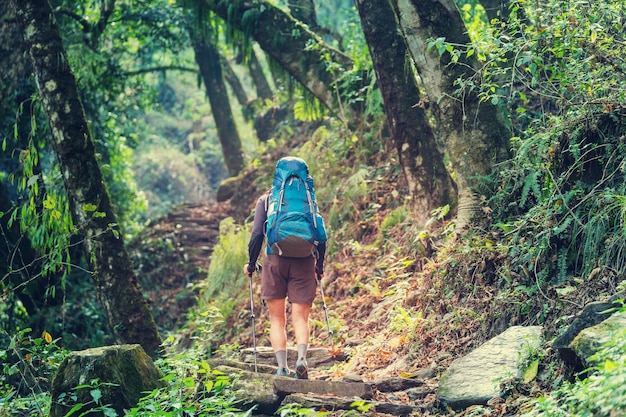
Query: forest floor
[{"x": 390, "y": 326}]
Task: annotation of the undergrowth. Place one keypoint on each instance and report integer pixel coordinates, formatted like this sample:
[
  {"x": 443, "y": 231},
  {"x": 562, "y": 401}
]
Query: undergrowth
[
  {"x": 28, "y": 365},
  {"x": 224, "y": 289},
  {"x": 191, "y": 385},
  {"x": 602, "y": 393}
]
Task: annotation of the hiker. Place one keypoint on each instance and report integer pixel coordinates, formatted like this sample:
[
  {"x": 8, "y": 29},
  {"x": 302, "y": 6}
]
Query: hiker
[{"x": 290, "y": 266}]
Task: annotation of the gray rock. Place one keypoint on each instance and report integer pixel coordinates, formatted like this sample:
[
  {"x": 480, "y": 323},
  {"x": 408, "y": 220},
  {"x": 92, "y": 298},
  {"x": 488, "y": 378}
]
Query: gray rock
[
  {"x": 475, "y": 378},
  {"x": 254, "y": 387},
  {"x": 123, "y": 372},
  {"x": 364, "y": 408},
  {"x": 397, "y": 384},
  {"x": 419, "y": 393},
  {"x": 285, "y": 386},
  {"x": 592, "y": 314},
  {"x": 589, "y": 340}
]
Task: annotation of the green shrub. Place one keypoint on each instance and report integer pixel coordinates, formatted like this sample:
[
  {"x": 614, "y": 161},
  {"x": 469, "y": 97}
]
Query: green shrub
[
  {"x": 225, "y": 285},
  {"x": 603, "y": 393},
  {"x": 193, "y": 389},
  {"x": 29, "y": 364}
]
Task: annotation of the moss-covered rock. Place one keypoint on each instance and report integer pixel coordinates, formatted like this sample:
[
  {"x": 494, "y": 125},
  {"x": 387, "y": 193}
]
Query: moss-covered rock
[
  {"x": 589, "y": 340},
  {"x": 115, "y": 376}
]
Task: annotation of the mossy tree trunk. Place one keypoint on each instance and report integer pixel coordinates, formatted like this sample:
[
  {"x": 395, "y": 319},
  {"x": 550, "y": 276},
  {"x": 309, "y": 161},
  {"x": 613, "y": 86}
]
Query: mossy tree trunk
[
  {"x": 20, "y": 266},
  {"x": 208, "y": 60},
  {"x": 289, "y": 43},
  {"x": 127, "y": 311},
  {"x": 476, "y": 135},
  {"x": 262, "y": 86},
  {"x": 430, "y": 183},
  {"x": 235, "y": 83}
]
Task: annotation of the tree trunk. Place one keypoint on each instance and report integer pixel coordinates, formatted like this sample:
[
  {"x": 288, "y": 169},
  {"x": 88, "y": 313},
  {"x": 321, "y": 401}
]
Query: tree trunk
[
  {"x": 208, "y": 60},
  {"x": 263, "y": 89},
  {"x": 235, "y": 84},
  {"x": 288, "y": 43},
  {"x": 429, "y": 182},
  {"x": 127, "y": 312},
  {"x": 20, "y": 264},
  {"x": 496, "y": 9},
  {"x": 476, "y": 134}
]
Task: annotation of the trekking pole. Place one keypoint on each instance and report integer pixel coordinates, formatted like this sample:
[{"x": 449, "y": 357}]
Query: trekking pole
[
  {"x": 324, "y": 306},
  {"x": 254, "y": 351}
]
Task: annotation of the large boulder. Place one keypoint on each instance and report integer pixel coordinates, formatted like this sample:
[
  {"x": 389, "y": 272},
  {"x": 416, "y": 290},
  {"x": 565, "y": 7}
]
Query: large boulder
[
  {"x": 591, "y": 315},
  {"x": 591, "y": 339},
  {"x": 475, "y": 379},
  {"x": 115, "y": 376}
]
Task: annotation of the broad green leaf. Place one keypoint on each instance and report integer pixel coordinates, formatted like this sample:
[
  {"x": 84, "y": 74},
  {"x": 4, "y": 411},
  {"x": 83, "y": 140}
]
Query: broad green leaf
[
  {"x": 96, "y": 394},
  {"x": 208, "y": 386},
  {"x": 610, "y": 365},
  {"x": 531, "y": 372},
  {"x": 189, "y": 382}
]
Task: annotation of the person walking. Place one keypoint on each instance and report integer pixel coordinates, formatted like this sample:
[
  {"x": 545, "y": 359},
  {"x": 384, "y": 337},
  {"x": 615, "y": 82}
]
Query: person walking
[{"x": 287, "y": 278}]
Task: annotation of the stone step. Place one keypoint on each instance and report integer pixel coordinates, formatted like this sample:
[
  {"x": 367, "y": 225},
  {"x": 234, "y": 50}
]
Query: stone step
[
  {"x": 316, "y": 357},
  {"x": 373, "y": 408},
  {"x": 284, "y": 386}
]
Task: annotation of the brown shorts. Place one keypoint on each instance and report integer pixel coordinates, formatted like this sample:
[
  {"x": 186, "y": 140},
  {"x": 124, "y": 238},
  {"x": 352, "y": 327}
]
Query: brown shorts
[{"x": 289, "y": 277}]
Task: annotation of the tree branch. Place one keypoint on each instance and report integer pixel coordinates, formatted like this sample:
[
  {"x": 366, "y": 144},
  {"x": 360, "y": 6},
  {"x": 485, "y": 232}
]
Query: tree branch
[
  {"x": 162, "y": 68},
  {"x": 84, "y": 23}
]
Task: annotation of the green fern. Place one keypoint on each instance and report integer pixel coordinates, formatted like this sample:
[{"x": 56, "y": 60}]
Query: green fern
[
  {"x": 558, "y": 230},
  {"x": 394, "y": 218},
  {"x": 531, "y": 183},
  {"x": 308, "y": 110},
  {"x": 562, "y": 264}
]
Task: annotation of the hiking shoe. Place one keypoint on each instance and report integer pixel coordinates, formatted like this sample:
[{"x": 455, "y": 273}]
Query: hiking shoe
[
  {"x": 282, "y": 372},
  {"x": 302, "y": 370}
]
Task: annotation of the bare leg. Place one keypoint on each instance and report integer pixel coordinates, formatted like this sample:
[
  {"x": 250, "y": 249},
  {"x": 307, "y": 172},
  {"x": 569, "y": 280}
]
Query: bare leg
[
  {"x": 300, "y": 320},
  {"x": 278, "y": 332}
]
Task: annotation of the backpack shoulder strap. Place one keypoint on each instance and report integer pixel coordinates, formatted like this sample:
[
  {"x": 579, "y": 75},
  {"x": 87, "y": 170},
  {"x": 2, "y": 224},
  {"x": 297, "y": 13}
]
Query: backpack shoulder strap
[
  {"x": 267, "y": 195},
  {"x": 311, "y": 205}
]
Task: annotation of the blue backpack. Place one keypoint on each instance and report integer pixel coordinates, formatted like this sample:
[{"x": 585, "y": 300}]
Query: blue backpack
[{"x": 294, "y": 226}]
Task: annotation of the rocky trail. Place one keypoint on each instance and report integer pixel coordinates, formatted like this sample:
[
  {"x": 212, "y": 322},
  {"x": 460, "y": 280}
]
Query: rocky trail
[
  {"x": 173, "y": 255},
  {"x": 451, "y": 375},
  {"x": 389, "y": 396}
]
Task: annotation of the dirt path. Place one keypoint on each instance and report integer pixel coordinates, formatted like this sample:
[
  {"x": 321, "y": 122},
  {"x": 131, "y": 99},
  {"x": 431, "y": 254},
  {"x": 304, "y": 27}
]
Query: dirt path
[{"x": 173, "y": 254}]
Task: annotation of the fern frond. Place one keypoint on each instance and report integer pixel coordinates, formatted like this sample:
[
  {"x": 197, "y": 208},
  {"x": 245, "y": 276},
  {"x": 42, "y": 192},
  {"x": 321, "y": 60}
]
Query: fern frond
[{"x": 531, "y": 183}]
